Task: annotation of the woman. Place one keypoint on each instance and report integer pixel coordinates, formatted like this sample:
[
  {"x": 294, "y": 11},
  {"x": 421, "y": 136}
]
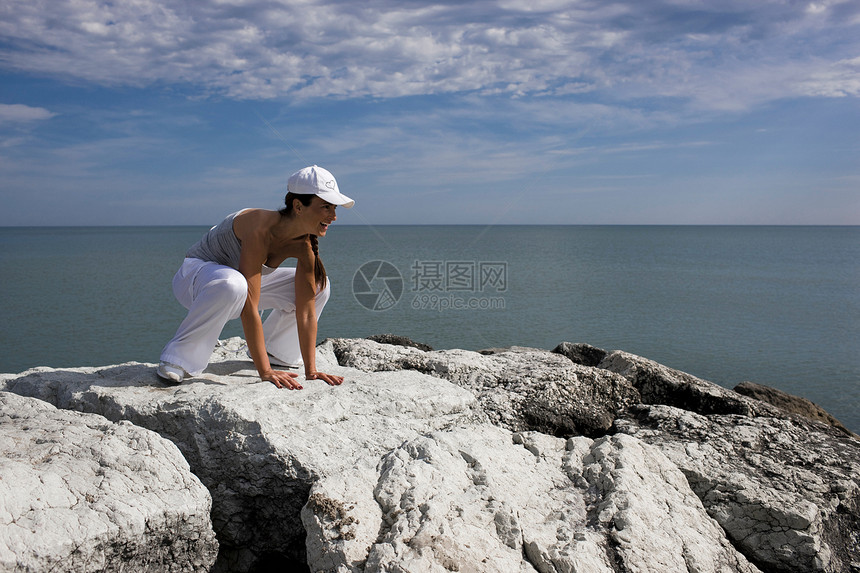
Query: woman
[{"x": 232, "y": 272}]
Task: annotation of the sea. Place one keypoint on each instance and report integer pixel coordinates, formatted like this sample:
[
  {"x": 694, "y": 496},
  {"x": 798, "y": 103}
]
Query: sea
[{"x": 776, "y": 305}]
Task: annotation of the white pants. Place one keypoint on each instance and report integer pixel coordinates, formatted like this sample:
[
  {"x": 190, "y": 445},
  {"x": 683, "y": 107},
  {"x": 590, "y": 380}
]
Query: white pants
[{"x": 214, "y": 294}]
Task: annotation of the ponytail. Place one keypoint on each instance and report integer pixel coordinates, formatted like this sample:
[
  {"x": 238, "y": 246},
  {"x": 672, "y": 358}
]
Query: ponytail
[{"x": 319, "y": 268}]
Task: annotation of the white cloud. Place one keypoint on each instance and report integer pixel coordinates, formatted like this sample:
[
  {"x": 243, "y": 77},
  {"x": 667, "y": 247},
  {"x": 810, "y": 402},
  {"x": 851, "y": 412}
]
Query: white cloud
[
  {"x": 839, "y": 79},
  {"x": 260, "y": 49},
  {"x": 22, "y": 113}
]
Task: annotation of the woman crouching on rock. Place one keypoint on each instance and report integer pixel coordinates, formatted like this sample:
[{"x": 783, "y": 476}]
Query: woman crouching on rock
[{"x": 233, "y": 272}]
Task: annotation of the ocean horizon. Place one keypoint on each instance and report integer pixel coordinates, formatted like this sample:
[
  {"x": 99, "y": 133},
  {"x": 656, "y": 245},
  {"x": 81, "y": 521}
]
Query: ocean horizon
[{"x": 773, "y": 304}]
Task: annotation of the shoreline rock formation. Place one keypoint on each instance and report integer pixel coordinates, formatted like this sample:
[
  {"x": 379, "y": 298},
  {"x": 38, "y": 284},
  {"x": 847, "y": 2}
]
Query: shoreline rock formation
[
  {"x": 518, "y": 459},
  {"x": 81, "y": 493}
]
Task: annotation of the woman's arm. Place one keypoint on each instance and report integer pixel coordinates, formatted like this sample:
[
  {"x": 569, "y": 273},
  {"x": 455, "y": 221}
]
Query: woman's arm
[
  {"x": 306, "y": 318},
  {"x": 254, "y": 253}
]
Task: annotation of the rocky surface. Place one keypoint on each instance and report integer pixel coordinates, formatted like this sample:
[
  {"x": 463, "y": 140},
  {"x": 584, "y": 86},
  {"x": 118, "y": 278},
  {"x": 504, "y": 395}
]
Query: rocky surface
[
  {"x": 257, "y": 449},
  {"x": 658, "y": 384},
  {"x": 766, "y": 519},
  {"x": 482, "y": 499},
  {"x": 519, "y": 388},
  {"x": 580, "y": 353},
  {"x": 792, "y": 404},
  {"x": 577, "y": 460},
  {"x": 81, "y": 493},
  {"x": 786, "y": 491},
  {"x": 399, "y": 341}
]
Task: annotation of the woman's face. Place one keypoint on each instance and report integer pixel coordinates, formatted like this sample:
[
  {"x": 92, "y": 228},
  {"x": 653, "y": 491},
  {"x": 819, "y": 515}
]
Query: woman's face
[{"x": 318, "y": 216}]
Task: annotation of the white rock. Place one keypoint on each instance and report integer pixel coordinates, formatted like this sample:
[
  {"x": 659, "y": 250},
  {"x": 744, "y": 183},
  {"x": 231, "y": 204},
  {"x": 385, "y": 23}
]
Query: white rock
[
  {"x": 400, "y": 470},
  {"x": 519, "y": 389},
  {"x": 259, "y": 449},
  {"x": 659, "y": 384},
  {"x": 482, "y": 499},
  {"x": 771, "y": 483},
  {"x": 81, "y": 493}
]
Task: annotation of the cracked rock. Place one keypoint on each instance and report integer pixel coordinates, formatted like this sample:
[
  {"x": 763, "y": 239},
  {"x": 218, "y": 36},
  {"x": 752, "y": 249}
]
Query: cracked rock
[
  {"x": 519, "y": 389},
  {"x": 80, "y": 493},
  {"x": 485, "y": 500},
  {"x": 259, "y": 450},
  {"x": 454, "y": 460},
  {"x": 786, "y": 490}
]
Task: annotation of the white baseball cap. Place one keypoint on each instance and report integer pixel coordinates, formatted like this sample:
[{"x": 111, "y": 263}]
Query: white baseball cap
[{"x": 315, "y": 180}]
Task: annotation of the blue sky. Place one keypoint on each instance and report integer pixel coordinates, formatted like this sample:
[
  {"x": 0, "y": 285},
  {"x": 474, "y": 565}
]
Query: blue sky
[{"x": 488, "y": 112}]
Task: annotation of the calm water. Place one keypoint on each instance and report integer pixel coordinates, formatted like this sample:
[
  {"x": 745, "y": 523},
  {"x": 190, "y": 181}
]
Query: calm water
[{"x": 775, "y": 305}]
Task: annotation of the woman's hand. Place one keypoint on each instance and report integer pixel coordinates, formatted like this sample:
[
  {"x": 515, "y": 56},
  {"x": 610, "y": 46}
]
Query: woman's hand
[
  {"x": 331, "y": 379},
  {"x": 281, "y": 379}
]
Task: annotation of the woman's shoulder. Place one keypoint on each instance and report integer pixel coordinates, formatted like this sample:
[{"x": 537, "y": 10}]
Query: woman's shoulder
[
  {"x": 254, "y": 214},
  {"x": 257, "y": 221}
]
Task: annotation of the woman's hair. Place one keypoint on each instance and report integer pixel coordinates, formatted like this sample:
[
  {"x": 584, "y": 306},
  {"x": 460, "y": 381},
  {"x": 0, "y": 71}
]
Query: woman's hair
[{"x": 319, "y": 268}]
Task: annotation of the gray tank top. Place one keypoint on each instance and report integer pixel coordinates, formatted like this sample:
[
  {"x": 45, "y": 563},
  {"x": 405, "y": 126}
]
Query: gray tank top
[{"x": 219, "y": 245}]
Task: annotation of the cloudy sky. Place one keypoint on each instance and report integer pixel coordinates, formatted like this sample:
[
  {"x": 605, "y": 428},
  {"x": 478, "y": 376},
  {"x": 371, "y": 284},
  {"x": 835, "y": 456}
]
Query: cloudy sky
[{"x": 506, "y": 111}]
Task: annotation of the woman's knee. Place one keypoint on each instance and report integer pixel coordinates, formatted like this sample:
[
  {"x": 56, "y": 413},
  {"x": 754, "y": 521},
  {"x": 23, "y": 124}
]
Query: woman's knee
[{"x": 232, "y": 289}]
